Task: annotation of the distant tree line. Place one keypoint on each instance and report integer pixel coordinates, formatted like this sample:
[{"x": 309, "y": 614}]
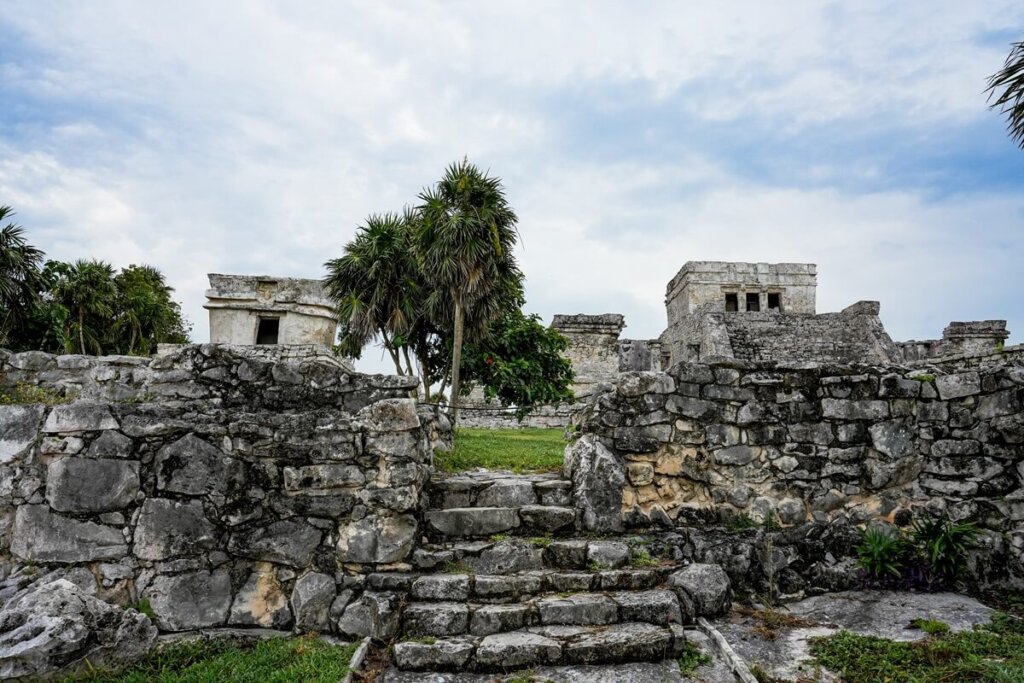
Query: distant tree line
[
  {"x": 438, "y": 284},
  {"x": 81, "y": 307}
]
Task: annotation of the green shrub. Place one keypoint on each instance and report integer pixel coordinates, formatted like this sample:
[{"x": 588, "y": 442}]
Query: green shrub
[
  {"x": 942, "y": 546},
  {"x": 931, "y": 626},
  {"x": 691, "y": 657},
  {"x": 880, "y": 553},
  {"x": 25, "y": 393}
]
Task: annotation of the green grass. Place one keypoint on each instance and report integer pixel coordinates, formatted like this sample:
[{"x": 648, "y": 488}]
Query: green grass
[
  {"x": 993, "y": 653},
  {"x": 278, "y": 660},
  {"x": 24, "y": 393},
  {"x": 519, "y": 450}
]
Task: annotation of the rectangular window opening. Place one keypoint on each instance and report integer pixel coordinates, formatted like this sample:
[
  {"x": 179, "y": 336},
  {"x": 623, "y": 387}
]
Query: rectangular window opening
[
  {"x": 774, "y": 301},
  {"x": 732, "y": 303},
  {"x": 266, "y": 332},
  {"x": 753, "y": 301}
]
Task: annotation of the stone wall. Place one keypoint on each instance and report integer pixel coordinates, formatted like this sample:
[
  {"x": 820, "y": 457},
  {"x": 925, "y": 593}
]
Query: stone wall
[
  {"x": 805, "y": 443},
  {"x": 224, "y": 489}
]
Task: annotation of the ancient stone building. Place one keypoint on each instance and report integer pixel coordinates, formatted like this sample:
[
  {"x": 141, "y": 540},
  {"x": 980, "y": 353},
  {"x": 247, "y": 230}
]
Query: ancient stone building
[{"x": 258, "y": 309}]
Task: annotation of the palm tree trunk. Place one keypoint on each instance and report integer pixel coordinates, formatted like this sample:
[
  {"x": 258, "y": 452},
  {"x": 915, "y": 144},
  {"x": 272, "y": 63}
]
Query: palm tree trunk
[
  {"x": 81, "y": 332},
  {"x": 457, "y": 358}
]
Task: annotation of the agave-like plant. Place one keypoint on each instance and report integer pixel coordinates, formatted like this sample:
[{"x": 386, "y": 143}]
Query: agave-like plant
[
  {"x": 942, "y": 545},
  {"x": 880, "y": 553}
]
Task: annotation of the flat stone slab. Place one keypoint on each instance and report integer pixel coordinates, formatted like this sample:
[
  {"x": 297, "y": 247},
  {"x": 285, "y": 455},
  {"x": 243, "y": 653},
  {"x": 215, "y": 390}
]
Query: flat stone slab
[
  {"x": 640, "y": 672},
  {"x": 885, "y": 614},
  {"x": 472, "y": 521}
]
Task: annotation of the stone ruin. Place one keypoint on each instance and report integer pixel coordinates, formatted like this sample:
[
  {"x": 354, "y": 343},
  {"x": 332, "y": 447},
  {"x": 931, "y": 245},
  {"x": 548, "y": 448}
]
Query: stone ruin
[{"x": 266, "y": 488}]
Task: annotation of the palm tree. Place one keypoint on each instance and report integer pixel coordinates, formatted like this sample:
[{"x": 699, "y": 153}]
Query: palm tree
[
  {"x": 88, "y": 292},
  {"x": 377, "y": 287},
  {"x": 464, "y": 242},
  {"x": 19, "y": 275},
  {"x": 146, "y": 314},
  {"x": 1007, "y": 86}
]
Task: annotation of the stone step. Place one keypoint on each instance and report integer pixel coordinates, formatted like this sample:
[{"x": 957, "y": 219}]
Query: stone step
[
  {"x": 476, "y": 522},
  {"x": 541, "y": 646},
  {"x": 445, "y": 619},
  {"x": 508, "y": 555},
  {"x": 498, "y": 489},
  {"x": 503, "y": 588}
]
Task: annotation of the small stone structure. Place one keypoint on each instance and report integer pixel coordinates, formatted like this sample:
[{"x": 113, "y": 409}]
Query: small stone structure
[{"x": 264, "y": 310}]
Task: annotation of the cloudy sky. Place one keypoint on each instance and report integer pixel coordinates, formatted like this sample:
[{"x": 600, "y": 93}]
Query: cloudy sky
[{"x": 253, "y": 137}]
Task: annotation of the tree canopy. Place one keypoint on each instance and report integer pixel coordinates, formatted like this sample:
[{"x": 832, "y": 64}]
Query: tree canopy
[
  {"x": 1007, "y": 87},
  {"x": 84, "y": 306},
  {"x": 442, "y": 277}
]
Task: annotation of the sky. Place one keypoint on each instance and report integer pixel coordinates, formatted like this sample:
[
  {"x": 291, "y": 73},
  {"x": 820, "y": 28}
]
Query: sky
[{"x": 255, "y": 137}]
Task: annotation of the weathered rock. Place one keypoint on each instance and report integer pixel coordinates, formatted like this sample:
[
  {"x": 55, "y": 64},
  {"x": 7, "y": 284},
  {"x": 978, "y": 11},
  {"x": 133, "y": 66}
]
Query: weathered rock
[
  {"x": 390, "y": 415},
  {"x": 706, "y": 586},
  {"x": 74, "y": 418},
  {"x": 41, "y": 536},
  {"x": 110, "y": 444},
  {"x": 472, "y": 521},
  {"x": 311, "y": 601},
  {"x": 894, "y": 438},
  {"x": 441, "y": 587},
  {"x": 449, "y": 654},
  {"x": 579, "y": 609},
  {"x": 569, "y": 554},
  {"x": 620, "y": 642},
  {"x": 734, "y": 455},
  {"x": 288, "y": 541},
  {"x": 547, "y": 518},
  {"x": 489, "y": 619},
  {"x": 373, "y": 614},
  {"x": 52, "y": 628},
  {"x": 507, "y": 493},
  {"x": 512, "y": 650},
  {"x": 19, "y": 427},
  {"x": 652, "y": 606},
  {"x": 261, "y": 600},
  {"x": 854, "y": 410},
  {"x": 607, "y": 554},
  {"x": 168, "y": 528},
  {"x": 958, "y": 386},
  {"x": 598, "y": 477},
  {"x": 88, "y": 485},
  {"x": 191, "y": 600},
  {"x": 435, "y": 619},
  {"x": 193, "y": 467},
  {"x": 377, "y": 539},
  {"x": 505, "y": 557}
]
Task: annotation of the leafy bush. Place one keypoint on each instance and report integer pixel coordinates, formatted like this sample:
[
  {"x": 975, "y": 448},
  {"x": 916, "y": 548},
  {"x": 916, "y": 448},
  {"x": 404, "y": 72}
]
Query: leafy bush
[
  {"x": 880, "y": 553},
  {"x": 942, "y": 547}
]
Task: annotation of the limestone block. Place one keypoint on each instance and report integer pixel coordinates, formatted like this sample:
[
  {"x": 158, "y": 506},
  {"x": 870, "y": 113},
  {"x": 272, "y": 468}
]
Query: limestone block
[
  {"x": 88, "y": 485},
  {"x": 949, "y": 447},
  {"x": 517, "y": 649},
  {"x": 843, "y": 409},
  {"x": 443, "y": 655},
  {"x": 261, "y": 601},
  {"x": 19, "y": 426},
  {"x": 735, "y": 455},
  {"x": 192, "y": 600},
  {"x": 792, "y": 511},
  {"x": 193, "y": 467},
  {"x": 958, "y": 385},
  {"x": 507, "y": 493},
  {"x": 377, "y": 539},
  {"x": 441, "y": 619},
  {"x": 489, "y": 619},
  {"x": 290, "y": 542},
  {"x": 472, "y": 521},
  {"x": 79, "y": 417},
  {"x": 894, "y": 438},
  {"x": 640, "y": 473},
  {"x": 620, "y": 643},
  {"x": 652, "y": 606},
  {"x": 608, "y": 554},
  {"x": 319, "y": 477},
  {"x": 41, "y": 536},
  {"x": 311, "y": 602},
  {"x": 52, "y": 626},
  {"x": 61, "y": 445},
  {"x": 578, "y": 609},
  {"x": 374, "y": 614},
  {"x": 168, "y": 528},
  {"x": 390, "y": 415},
  {"x": 598, "y": 477},
  {"x": 394, "y": 444},
  {"x": 505, "y": 557},
  {"x": 706, "y": 587},
  {"x": 441, "y": 587}
]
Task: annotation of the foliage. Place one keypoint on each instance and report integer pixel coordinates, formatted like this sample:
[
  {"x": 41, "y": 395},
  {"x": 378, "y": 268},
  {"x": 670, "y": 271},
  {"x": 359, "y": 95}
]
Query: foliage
[
  {"x": 1007, "y": 87},
  {"x": 277, "y": 660},
  {"x": 992, "y": 653},
  {"x": 932, "y": 555},
  {"x": 438, "y": 277},
  {"x": 924, "y": 377},
  {"x": 691, "y": 657},
  {"x": 641, "y": 557},
  {"x": 741, "y": 522},
  {"x": 942, "y": 545},
  {"x": 931, "y": 626},
  {"x": 143, "y": 607},
  {"x": 19, "y": 275},
  {"x": 880, "y": 553},
  {"x": 84, "y": 306},
  {"x": 519, "y": 450},
  {"x": 25, "y": 393},
  {"x": 520, "y": 362}
]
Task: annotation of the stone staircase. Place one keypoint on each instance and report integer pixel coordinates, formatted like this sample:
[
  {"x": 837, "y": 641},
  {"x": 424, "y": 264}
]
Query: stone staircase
[{"x": 507, "y": 583}]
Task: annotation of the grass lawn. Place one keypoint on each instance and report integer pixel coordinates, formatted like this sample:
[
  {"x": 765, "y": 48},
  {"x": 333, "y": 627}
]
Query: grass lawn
[
  {"x": 519, "y": 450},
  {"x": 278, "y": 660},
  {"x": 993, "y": 653}
]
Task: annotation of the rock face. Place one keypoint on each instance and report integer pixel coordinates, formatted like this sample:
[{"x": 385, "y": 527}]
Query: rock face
[
  {"x": 228, "y": 487},
  {"x": 53, "y": 627},
  {"x": 705, "y": 586},
  {"x": 598, "y": 478}
]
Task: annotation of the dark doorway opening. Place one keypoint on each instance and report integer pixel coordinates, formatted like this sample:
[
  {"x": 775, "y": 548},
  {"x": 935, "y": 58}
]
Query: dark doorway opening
[
  {"x": 732, "y": 303},
  {"x": 774, "y": 301},
  {"x": 266, "y": 332},
  {"x": 753, "y": 301}
]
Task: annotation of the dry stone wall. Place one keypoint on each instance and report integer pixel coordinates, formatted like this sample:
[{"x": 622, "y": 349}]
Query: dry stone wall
[
  {"x": 805, "y": 443},
  {"x": 224, "y": 489}
]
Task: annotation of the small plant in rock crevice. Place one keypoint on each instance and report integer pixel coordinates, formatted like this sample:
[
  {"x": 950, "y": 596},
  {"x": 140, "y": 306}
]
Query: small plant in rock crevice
[{"x": 691, "y": 658}]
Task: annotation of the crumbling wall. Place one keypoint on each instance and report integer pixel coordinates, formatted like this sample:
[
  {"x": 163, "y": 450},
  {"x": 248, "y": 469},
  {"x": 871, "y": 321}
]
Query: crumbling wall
[
  {"x": 225, "y": 489},
  {"x": 805, "y": 443}
]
